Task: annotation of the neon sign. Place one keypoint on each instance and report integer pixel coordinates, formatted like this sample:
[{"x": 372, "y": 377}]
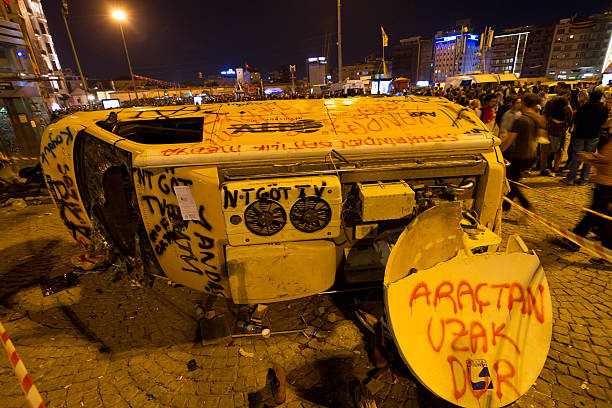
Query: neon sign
[{"x": 471, "y": 37}]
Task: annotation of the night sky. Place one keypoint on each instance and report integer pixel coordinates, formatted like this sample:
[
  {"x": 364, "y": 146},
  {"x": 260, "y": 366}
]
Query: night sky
[{"x": 173, "y": 40}]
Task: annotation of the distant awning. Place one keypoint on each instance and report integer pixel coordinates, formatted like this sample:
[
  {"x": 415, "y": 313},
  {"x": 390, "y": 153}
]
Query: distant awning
[
  {"x": 507, "y": 77},
  {"x": 484, "y": 79}
]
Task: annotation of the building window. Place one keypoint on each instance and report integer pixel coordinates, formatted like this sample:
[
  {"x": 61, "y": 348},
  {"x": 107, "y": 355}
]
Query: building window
[
  {"x": 49, "y": 48},
  {"x": 43, "y": 28}
]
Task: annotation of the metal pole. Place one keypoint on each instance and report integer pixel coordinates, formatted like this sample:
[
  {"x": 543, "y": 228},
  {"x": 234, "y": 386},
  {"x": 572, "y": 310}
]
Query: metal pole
[
  {"x": 76, "y": 59},
  {"x": 418, "y": 60},
  {"x": 128, "y": 60},
  {"x": 339, "y": 45},
  {"x": 383, "y": 61}
]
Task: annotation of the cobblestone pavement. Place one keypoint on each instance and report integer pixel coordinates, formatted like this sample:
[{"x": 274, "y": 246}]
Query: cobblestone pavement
[{"x": 115, "y": 344}]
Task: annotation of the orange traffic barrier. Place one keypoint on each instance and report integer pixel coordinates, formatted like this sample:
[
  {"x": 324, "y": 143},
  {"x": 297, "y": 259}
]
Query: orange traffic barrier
[
  {"x": 31, "y": 393},
  {"x": 607, "y": 217},
  {"x": 592, "y": 247}
]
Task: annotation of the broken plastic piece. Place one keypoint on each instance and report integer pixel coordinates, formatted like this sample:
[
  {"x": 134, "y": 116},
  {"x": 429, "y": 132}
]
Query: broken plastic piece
[
  {"x": 278, "y": 383},
  {"x": 245, "y": 353},
  {"x": 59, "y": 283},
  {"x": 17, "y": 316},
  {"x": 250, "y": 328},
  {"x": 191, "y": 365}
]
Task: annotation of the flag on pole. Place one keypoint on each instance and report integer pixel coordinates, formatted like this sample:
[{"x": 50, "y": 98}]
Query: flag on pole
[{"x": 384, "y": 37}]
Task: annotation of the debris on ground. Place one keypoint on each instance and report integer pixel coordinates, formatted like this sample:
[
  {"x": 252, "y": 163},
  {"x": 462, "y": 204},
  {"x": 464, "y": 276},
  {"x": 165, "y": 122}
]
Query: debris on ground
[
  {"x": 244, "y": 353},
  {"x": 315, "y": 332},
  {"x": 585, "y": 385},
  {"x": 150, "y": 397},
  {"x": 191, "y": 365},
  {"x": 86, "y": 262},
  {"x": 17, "y": 316},
  {"x": 257, "y": 314},
  {"x": 247, "y": 327},
  {"x": 59, "y": 283},
  {"x": 215, "y": 330},
  {"x": 14, "y": 203},
  {"x": 332, "y": 317},
  {"x": 37, "y": 200},
  {"x": 363, "y": 397}
]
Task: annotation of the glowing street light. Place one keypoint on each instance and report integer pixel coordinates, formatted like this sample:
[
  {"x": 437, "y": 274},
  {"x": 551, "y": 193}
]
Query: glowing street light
[{"x": 120, "y": 16}]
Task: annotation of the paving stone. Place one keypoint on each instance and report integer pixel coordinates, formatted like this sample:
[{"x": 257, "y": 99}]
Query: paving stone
[
  {"x": 561, "y": 338},
  {"x": 577, "y": 372},
  {"x": 568, "y": 382},
  {"x": 582, "y": 402},
  {"x": 543, "y": 387},
  {"x": 596, "y": 391},
  {"x": 561, "y": 393},
  {"x": 600, "y": 341},
  {"x": 587, "y": 365},
  {"x": 605, "y": 371},
  {"x": 601, "y": 351},
  {"x": 598, "y": 380},
  {"x": 567, "y": 359}
]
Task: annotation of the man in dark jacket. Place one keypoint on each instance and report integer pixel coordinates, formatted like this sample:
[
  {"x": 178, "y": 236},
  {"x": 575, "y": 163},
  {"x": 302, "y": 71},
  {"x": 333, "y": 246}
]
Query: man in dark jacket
[
  {"x": 520, "y": 145},
  {"x": 587, "y": 127},
  {"x": 558, "y": 120}
]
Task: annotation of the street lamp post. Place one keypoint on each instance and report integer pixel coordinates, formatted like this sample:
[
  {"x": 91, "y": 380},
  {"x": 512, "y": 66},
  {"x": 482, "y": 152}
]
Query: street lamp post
[
  {"x": 339, "y": 45},
  {"x": 76, "y": 59},
  {"x": 120, "y": 16}
]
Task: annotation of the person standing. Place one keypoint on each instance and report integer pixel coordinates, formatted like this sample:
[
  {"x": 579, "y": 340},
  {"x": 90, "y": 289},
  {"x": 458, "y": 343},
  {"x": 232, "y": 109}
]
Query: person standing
[
  {"x": 521, "y": 144},
  {"x": 502, "y": 109},
  {"x": 587, "y": 128},
  {"x": 510, "y": 115},
  {"x": 488, "y": 111},
  {"x": 558, "y": 114},
  {"x": 474, "y": 105}
]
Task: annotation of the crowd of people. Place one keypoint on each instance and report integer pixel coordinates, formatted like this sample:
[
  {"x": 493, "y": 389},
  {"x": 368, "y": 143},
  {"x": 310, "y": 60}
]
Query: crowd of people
[{"x": 537, "y": 128}]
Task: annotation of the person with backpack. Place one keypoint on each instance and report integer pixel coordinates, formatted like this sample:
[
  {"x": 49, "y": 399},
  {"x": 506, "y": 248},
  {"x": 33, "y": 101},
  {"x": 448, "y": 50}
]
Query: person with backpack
[{"x": 558, "y": 113}]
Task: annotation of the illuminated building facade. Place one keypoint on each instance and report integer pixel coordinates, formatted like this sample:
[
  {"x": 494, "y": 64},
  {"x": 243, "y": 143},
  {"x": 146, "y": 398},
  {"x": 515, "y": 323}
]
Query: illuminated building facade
[
  {"x": 30, "y": 16},
  {"x": 581, "y": 49},
  {"x": 317, "y": 71},
  {"x": 412, "y": 59},
  {"x": 455, "y": 54},
  {"x": 508, "y": 51}
]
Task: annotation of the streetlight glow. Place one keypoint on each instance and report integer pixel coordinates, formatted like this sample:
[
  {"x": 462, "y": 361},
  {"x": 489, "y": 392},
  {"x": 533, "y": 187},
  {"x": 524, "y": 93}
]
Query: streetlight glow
[{"x": 119, "y": 15}]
